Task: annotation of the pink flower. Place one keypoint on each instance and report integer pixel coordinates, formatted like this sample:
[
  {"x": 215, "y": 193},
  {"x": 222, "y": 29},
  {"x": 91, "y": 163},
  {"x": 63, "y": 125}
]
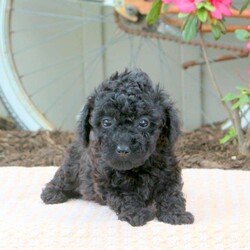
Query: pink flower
[
  {"x": 249, "y": 70},
  {"x": 167, "y": 1},
  {"x": 184, "y": 6},
  {"x": 221, "y": 8},
  {"x": 187, "y": 6},
  {"x": 248, "y": 45}
]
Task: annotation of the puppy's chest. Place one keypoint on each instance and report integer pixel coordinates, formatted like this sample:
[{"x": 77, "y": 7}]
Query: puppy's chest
[{"x": 140, "y": 183}]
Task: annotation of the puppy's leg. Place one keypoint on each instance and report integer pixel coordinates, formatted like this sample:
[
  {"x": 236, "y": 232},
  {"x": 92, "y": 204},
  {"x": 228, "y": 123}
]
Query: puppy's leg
[
  {"x": 170, "y": 206},
  {"x": 65, "y": 182},
  {"x": 130, "y": 208},
  {"x": 53, "y": 192},
  {"x": 170, "y": 203}
]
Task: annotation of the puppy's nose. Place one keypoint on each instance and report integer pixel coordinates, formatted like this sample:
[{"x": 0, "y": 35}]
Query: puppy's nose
[{"x": 123, "y": 150}]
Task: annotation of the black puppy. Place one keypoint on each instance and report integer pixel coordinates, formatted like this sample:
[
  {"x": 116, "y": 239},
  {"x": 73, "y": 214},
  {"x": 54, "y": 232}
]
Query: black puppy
[{"x": 123, "y": 155}]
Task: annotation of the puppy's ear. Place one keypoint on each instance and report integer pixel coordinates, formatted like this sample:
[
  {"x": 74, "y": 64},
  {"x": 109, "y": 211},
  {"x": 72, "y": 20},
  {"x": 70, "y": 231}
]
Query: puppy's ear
[
  {"x": 171, "y": 125},
  {"x": 84, "y": 126}
]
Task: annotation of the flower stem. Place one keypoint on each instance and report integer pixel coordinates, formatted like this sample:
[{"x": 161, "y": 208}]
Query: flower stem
[{"x": 234, "y": 118}]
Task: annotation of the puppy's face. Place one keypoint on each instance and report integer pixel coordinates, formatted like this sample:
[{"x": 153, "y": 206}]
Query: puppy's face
[
  {"x": 126, "y": 130},
  {"x": 127, "y": 118}
]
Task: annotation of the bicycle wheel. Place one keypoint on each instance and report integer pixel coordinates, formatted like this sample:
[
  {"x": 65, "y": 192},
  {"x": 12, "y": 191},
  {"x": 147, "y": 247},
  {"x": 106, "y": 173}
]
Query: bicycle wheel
[
  {"x": 55, "y": 52},
  {"x": 34, "y": 60}
]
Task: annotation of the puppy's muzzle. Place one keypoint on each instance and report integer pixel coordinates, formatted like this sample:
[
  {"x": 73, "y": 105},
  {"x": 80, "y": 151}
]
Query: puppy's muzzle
[{"x": 123, "y": 150}]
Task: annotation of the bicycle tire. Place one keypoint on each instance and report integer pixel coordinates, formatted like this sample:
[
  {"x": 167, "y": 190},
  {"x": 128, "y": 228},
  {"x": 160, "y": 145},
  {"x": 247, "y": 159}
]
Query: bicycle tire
[{"x": 13, "y": 97}]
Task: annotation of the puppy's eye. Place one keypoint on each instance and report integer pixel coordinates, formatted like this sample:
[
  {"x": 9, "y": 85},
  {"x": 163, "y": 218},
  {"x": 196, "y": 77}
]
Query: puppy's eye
[
  {"x": 107, "y": 122},
  {"x": 143, "y": 123}
]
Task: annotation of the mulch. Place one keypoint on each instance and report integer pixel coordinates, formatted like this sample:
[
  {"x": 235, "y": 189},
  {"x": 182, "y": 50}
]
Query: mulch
[{"x": 197, "y": 149}]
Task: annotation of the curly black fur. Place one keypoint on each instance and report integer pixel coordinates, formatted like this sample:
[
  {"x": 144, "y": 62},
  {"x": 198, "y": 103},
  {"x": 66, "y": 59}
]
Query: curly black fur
[{"x": 123, "y": 155}]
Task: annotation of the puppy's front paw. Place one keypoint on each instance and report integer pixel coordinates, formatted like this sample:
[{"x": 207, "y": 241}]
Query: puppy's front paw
[
  {"x": 177, "y": 218},
  {"x": 52, "y": 196},
  {"x": 138, "y": 218}
]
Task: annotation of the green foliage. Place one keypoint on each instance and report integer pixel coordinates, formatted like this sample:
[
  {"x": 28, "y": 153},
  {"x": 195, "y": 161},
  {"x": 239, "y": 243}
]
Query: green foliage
[
  {"x": 154, "y": 12},
  {"x": 206, "y": 5},
  {"x": 222, "y": 26},
  {"x": 242, "y": 35},
  {"x": 216, "y": 31},
  {"x": 202, "y": 14},
  {"x": 183, "y": 15},
  {"x": 190, "y": 28},
  {"x": 236, "y": 101},
  {"x": 245, "y": 5},
  {"x": 229, "y": 97},
  {"x": 231, "y": 134},
  {"x": 240, "y": 100},
  {"x": 218, "y": 28},
  {"x": 165, "y": 7}
]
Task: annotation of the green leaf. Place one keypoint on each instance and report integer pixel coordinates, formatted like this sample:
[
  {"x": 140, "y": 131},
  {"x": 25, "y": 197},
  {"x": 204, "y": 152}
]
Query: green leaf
[
  {"x": 229, "y": 97},
  {"x": 202, "y": 14},
  {"x": 209, "y": 6},
  {"x": 216, "y": 31},
  {"x": 245, "y": 5},
  {"x": 190, "y": 28},
  {"x": 222, "y": 26},
  {"x": 230, "y": 135},
  {"x": 185, "y": 22},
  {"x": 200, "y": 5},
  {"x": 154, "y": 12},
  {"x": 244, "y": 99},
  {"x": 242, "y": 35},
  {"x": 242, "y": 89},
  {"x": 165, "y": 7},
  {"x": 225, "y": 139},
  {"x": 183, "y": 15},
  {"x": 236, "y": 105}
]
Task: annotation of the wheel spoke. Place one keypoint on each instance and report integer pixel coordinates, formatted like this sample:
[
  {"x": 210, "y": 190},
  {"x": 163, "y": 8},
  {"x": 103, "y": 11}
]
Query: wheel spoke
[
  {"x": 48, "y": 84},
  {"x": 52, "y": 65},
  {"x": 62, "y": 94},
  {"x": 38, "y": 28},
  {"x": 48, "y": 39}
]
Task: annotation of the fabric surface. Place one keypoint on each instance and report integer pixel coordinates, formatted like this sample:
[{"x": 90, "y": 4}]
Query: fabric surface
[{"x": 219, "y": 200}]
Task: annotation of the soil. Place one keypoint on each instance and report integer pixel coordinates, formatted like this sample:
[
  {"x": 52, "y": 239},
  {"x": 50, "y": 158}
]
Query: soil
[{"x": 197, "y": 149}]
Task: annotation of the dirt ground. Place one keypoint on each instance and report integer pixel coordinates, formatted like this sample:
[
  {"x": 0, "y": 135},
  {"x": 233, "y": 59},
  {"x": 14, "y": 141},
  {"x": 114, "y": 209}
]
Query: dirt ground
[{"x": 196, "y": 149}]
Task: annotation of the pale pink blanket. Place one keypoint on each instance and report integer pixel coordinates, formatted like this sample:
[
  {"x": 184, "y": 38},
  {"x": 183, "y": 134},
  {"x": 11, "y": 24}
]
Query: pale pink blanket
[{"x": 220, "y": 201}]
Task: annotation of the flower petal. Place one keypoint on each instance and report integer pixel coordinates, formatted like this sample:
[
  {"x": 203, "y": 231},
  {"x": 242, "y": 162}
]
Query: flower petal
[
  {"x": 187, "y": 7},
  {"x": 224, "y": 10},
  {"x": 217, "y": 14},
  {"x": 248, "y": 45}
]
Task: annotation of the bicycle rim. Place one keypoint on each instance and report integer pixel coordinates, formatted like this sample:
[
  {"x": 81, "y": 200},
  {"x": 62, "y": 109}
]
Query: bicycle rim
[{"x": 14, "y": 98}]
